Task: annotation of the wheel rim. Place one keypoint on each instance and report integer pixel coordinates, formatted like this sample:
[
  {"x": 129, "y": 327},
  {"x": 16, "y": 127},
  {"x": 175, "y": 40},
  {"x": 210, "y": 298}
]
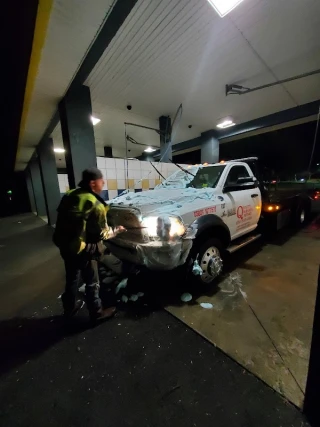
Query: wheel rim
[
  {"x": 211, "y": 264},
  {"x": 302, "y": 216}
]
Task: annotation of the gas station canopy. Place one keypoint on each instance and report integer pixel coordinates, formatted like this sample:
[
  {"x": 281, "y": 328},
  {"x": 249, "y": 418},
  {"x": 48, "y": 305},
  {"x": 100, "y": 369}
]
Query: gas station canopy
[{"x": 155, "y": 55}]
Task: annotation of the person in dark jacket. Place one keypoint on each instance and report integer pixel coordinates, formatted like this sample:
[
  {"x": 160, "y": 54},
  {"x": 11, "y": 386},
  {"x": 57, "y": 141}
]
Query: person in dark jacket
[{"x": 80, "y": 230}]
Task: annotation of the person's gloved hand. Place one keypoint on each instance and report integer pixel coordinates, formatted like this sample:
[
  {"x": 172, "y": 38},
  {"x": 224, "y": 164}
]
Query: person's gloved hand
[
  {"x": 113, "y": 232},
  {"x": 119, "y": 230}
]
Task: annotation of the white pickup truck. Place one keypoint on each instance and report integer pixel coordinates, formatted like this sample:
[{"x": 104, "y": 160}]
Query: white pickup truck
[{"x": 195, "y": 215}]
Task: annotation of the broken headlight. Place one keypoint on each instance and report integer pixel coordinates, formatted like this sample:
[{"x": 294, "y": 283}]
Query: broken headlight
[{"x": 164, "y": 226}]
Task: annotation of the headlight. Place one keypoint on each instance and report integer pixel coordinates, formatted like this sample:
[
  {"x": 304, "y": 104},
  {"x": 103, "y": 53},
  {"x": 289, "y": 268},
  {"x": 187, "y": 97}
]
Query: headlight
[{"x": 163, "y": 226}]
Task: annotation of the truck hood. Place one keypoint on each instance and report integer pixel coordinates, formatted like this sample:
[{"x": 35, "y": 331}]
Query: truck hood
[{"x": 166, "y": 201}]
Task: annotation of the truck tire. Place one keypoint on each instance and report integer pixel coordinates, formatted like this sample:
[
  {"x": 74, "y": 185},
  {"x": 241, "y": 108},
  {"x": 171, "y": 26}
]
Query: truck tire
[
  {"x": 301, "y": 214},
  {"x": 208, "y": 253}
]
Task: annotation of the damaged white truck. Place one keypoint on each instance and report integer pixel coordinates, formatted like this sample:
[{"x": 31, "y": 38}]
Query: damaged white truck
[{"x": 195, "y": 216}]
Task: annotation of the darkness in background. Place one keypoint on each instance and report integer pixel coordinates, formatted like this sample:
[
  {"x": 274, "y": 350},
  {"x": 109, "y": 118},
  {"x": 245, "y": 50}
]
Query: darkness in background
[
  {"x": 18, "y": 24},
  {"x": 284, "y": 151},
  {"x": 194, "y": 157},
  {"x": 19, "y": 202}
]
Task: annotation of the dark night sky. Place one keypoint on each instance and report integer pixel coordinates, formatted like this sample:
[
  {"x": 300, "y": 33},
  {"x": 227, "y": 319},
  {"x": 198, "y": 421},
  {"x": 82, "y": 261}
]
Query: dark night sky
[
  {"x": 18, "y": 25},
  {"x": 285, "y": 150}
]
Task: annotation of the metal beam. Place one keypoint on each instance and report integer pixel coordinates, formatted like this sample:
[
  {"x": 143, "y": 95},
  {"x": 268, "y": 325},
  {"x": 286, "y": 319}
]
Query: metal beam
[
  {"x": 276, "y": 119},
  {"x": 235, "y": 89}
]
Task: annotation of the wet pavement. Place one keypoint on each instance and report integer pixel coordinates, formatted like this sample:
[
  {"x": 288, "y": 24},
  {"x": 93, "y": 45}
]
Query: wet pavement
[{"x": 143, "y": 367}]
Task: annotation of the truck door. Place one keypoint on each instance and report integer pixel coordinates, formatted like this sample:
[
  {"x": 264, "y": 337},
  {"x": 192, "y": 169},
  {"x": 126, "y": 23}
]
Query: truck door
[{"x": 242, "y": 204}]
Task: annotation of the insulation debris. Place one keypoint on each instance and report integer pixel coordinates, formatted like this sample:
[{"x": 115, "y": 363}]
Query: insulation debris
[
  {"x": 140, "y": 294},
  {"x": 121, "y": 285},
  {"x": 206, "y": 305},
  {"x": 134, "y": 297},
  {"x": 186, "y": 297},
  {"x": 196, "y": 269},
  {"x": 124, "y": 298},
  {"x": 82, "y": 289}
]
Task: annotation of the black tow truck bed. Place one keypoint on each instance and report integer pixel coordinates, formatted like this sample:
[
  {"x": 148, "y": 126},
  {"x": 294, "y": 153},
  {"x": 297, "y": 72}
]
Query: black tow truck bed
[{"x": 286, "y": 201}]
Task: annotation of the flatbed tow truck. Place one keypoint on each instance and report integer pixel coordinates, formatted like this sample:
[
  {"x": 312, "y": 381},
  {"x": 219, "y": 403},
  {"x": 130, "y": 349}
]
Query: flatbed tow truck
[{"x": 198, "y": 214}]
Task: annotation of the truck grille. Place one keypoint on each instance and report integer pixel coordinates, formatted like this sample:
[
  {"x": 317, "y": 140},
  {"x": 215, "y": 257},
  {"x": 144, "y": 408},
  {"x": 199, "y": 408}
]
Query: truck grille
[{"x": 130, "y": 219}]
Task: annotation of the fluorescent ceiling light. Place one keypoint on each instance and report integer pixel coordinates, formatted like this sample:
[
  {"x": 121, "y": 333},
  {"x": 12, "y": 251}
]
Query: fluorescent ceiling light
[
  {"x": 149, "y": 150},
  {"x": 59, "y": 150},
  {"x": 95, "y": 121},
  {"x": 223, "y": 7},
  {"x": 225, "y": 124}
]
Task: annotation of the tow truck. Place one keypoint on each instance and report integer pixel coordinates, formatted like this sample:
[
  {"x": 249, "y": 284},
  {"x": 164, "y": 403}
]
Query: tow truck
[{"x": 198, "y": 214}]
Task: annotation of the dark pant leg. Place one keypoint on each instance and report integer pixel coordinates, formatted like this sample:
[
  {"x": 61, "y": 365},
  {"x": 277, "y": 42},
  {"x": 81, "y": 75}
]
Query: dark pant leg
[
  {"x": 73, "y": 272},
  {"x": 90, "y": 277}
]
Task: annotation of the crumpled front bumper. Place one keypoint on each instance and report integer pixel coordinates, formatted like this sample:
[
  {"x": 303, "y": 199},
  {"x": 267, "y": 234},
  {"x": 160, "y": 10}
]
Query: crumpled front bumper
[{"x": 156, "y": 255}]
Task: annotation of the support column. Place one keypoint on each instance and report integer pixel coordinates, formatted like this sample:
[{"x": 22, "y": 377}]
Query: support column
[
  {"x": 165, "y": 139},
  {"x": 49, "y": 177},
  {"x": 37, "y": 187},
  {"x": 30, "y": 191},
  {"x": 209, "y": 148},
  {"x": 77, "y": 131}
]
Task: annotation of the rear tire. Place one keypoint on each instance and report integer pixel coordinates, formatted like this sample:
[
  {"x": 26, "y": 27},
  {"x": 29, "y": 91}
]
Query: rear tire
[
  {"x": 301, "y": 215},
  {"x": 208, "y": 253}
]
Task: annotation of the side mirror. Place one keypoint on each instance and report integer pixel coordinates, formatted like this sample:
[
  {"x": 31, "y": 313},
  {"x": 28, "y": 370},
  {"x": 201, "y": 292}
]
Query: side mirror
[{"x": 247, "y": 180}]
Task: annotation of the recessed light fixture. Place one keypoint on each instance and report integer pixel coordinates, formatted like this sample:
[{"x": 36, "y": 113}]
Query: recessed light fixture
[
  {"x": 223, "y": 7},
  {"x": 95, "y": 121},
  {"x": 149, "y": 150},
  {"x": 59, "y": 150},
  {"x": 226, "y": 123}
]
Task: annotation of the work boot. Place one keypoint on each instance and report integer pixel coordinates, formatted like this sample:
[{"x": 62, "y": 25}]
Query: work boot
[
  {"x": 103, "y": 314},
  {"x": 72, "y": 312}
]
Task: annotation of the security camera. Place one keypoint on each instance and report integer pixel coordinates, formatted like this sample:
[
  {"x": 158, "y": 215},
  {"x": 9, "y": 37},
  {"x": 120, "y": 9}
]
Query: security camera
[
  {"x": 129, "y": 107},
  {"x": 190, "y": 126}
]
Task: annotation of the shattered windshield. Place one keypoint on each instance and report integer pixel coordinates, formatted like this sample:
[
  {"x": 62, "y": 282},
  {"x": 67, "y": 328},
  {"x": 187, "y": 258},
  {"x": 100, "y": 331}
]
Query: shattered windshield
[{"x": 204, "y": 177}]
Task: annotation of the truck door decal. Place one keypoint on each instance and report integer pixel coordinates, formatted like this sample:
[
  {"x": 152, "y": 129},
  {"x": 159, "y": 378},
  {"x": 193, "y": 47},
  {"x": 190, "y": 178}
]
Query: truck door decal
[{"x": 244, "y": 215}]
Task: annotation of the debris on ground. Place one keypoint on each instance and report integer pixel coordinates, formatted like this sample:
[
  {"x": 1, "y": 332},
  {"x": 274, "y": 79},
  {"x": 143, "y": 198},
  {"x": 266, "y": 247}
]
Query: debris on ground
[
  {"x": 121, "y": 285},
  {"x": 206, "y": 305},
  {"x": 133, "y": 297},
  {"x": 82, "y": 289},
  {"x": 196, "y": 269},
  {"x": 124, "y": 298},
  {"x": 140, "y": 294},
  {"x": 186, "y": 297},
  {"x": 110, "y": 279}
]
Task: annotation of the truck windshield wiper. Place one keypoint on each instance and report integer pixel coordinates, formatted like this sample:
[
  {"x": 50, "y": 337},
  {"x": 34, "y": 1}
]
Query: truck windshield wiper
[
  {"x": 183, "y": 169},
  {"x": 157, "y": 170}
]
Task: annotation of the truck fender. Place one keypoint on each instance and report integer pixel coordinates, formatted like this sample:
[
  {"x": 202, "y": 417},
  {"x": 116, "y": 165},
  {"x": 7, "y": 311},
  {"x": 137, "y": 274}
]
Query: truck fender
[{"x": 212, "y": 226}]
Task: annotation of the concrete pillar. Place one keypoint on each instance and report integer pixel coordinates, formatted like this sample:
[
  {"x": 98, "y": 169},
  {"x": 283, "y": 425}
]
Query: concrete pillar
[
  {"x": 209, "y": 148},
  {"x": 49, "y": 177},
  {"x": 165, "y": 136},
  {"x": 37, "y": 187},
  {"x": 77, "y": 131},
  {"x": 30, "y": 191}
]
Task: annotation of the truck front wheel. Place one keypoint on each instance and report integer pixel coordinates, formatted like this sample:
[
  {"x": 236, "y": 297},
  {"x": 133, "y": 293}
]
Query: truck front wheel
[{"x": 208, "y": 254}]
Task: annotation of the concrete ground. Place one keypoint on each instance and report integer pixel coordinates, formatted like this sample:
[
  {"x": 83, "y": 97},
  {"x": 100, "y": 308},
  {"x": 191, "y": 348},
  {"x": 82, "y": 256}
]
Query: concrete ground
[
  {"x": 142, "y": 368},
  {"x": 262, "y": 310}
]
